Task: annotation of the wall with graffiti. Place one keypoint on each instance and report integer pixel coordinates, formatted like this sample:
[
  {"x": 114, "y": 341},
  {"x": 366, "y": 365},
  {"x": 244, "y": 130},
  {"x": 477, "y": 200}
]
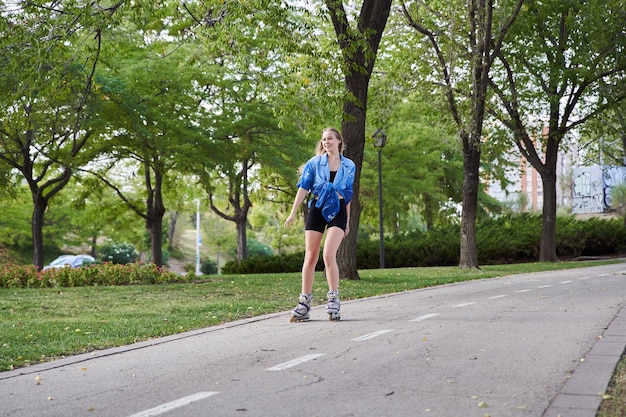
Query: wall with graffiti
[{"x": 592, "y": 187}]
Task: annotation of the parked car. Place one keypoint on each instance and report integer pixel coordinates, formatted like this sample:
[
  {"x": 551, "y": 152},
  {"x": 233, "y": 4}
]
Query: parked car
[{"x": 72, "y": 261}]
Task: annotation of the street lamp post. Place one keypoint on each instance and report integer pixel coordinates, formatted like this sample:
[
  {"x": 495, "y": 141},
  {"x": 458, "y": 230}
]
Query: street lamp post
[
  {"x": 198, "y": 237},
  {"x": 380, "y": 139}
]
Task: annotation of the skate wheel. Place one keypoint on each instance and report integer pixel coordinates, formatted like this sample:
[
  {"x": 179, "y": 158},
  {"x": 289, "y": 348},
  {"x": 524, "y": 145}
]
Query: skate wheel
[
  {"x": 334, "y": 317},
  {"x": 295, "y": 319}
]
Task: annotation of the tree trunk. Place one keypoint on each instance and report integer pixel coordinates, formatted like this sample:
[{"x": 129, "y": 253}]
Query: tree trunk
[
  {"x": 354, "y": 136},
  {"x": 468, "y": 257},
  {"x": 171, "y": 230},
  {"x": 547, "y": 251},
  {"x": 156, "y": 237},
  {"x": 242, "y": 236},
  {"x": 154, "y": 215},
  {"x": 39, "y": 208},
  {"x": 40, "y": 205}
]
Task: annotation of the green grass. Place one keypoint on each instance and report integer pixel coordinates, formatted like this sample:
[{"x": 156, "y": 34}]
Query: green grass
[
  {"x": 43, "y": 324},
  {"x": 614, "y": 402}
]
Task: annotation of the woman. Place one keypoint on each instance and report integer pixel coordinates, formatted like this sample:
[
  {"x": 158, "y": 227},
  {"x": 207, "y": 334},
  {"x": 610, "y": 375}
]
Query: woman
[{"x": 329, "y": 177}]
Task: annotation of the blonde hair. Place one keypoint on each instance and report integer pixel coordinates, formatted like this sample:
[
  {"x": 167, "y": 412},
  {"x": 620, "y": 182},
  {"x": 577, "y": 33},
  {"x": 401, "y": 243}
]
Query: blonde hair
[{"x": 319, "y": 150}]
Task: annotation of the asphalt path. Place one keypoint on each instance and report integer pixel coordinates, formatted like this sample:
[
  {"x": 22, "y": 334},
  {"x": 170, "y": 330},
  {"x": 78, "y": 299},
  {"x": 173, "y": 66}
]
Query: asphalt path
[{"x": 541, "y": 345}]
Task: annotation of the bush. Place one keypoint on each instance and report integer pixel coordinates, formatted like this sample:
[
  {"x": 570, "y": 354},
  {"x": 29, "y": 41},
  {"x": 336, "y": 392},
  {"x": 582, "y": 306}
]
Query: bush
[
  {"x": 14, "y": 276},
  {"x": 208, "y": 267},
  {"x": 118, "y": 253},
  {"x": 267, "y": 264},
  {"x": 502, "y": 239},
  {"x": 509, "y": 238}
]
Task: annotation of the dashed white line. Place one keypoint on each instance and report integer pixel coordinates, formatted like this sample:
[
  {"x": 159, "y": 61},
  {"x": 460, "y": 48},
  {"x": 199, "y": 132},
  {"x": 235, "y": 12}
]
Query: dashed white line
[
  {"x": 565, "y": 282},
  {"x": 370, "y": 336},
  {"x": 581, "y": 278},
  {"x": 466, "y": 304},
  {"x": 522, "y": 291},
  {"x": 181, "y": 402},
  {"x": 545, "y": 286},
  {"x": 495, "y": 297},
  {"x": 425, "y": 317},
  {"x": 295, "y": 362},
  {"x": 603, "y": 275}
]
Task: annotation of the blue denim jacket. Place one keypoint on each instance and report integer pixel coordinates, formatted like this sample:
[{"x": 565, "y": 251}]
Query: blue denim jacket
[{"x": 316, "y": 179}]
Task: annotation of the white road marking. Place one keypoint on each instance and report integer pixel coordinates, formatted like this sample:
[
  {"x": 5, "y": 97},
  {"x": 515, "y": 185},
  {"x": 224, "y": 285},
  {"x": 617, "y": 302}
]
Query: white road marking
[
  {"x": 181, "y": 402},
  {"x": 545, "y": 286},
  {"x": 466, "y": 304},
  {"x": 295, "y": 362},
  {"x": 581, "y": 278},
  {"x": 521, "y": 291},
  {"x": 603, "y": 275},
  {"x": 425, "y": 317},
  {"x": 565, "y": 282},
  {"x": 370, "y": 336},
  {"x": 495, "y": 297}
]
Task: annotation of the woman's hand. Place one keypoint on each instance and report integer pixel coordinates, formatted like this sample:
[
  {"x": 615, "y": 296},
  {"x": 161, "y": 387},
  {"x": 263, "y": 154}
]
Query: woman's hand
[{"x": 289, "y": 221}]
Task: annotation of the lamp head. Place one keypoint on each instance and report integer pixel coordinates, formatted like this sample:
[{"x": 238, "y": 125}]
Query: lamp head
[{"x": 380, "y": 139}]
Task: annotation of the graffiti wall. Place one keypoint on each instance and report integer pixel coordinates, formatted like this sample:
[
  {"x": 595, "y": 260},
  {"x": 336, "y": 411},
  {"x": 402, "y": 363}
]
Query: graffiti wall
[{"x": 592, "y": 187}]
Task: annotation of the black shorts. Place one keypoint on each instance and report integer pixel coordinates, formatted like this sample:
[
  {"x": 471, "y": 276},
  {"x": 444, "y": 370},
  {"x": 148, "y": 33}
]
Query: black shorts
[{"x": 316, "y": 221}]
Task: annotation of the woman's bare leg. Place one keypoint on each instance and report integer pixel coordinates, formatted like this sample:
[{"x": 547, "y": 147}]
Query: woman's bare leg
[
  {"x": 334, "y": 236},
  {"x": 312, "y": 241}
]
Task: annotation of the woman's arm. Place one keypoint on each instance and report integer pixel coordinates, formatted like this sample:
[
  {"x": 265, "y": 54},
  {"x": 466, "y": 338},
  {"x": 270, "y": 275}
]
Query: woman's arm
[{"x": 300, "y": 196}]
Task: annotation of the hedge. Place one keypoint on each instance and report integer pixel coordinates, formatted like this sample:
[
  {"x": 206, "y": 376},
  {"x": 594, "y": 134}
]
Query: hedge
[{"x": 503, "y": 239}]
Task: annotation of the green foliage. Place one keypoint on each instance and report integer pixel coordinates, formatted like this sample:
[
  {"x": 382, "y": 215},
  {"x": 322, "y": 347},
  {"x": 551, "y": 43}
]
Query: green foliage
[
  {"x": 118, "y": 253},
  {"x": 509, "y": 238},
  {"x": 256, "y": 248},
  {"x": 14, "y": 276},
  {"x": 501, "y": 240},
  {"x": 268, "y": 264},
  {"x": 593, "y": 237},
  {"x": 208, "y": 267},
  {"x": 618, "y": 198}
]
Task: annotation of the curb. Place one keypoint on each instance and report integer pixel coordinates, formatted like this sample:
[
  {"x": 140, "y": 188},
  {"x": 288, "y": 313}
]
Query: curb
[{"x": 582, "y": 393}]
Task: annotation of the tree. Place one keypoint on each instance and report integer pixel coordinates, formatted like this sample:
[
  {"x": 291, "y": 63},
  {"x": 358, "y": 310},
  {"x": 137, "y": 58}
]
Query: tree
[
  {"x": 557, "y": 72},
  {"x": 245, "y": 135},
  {"x": 603, "y": 138},
  {"x": 50, "y": 56},
  {"x": 422, "y": 165},
  {"x": 152, "y": 115},
  {"x": 481, "y": 34},
  {"x": 359, "y": 45}
]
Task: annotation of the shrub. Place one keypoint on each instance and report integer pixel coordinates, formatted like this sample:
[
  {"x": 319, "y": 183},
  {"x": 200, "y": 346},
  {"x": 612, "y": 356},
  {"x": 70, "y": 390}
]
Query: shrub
[
  {"x": 108, "y": 274},
  {"x": 502, "y": 239},
  {"x": 509, "y": 238},
  {"x": 118, "y": 253},
  {"x": 267, "y": 264},
  {"x": 208, "y": 267}
]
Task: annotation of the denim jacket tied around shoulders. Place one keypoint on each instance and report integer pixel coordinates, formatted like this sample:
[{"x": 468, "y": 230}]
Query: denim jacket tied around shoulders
[{"x": 316, "y": 179}]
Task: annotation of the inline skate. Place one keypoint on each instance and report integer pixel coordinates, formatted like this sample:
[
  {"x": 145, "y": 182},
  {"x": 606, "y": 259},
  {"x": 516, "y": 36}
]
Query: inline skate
[
  {"x": 301, "y": 311},
  {"x": 333, "y": 306}
]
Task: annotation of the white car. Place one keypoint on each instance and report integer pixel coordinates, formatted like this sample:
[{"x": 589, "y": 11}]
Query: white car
[{"x": 72, "y": 261}]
